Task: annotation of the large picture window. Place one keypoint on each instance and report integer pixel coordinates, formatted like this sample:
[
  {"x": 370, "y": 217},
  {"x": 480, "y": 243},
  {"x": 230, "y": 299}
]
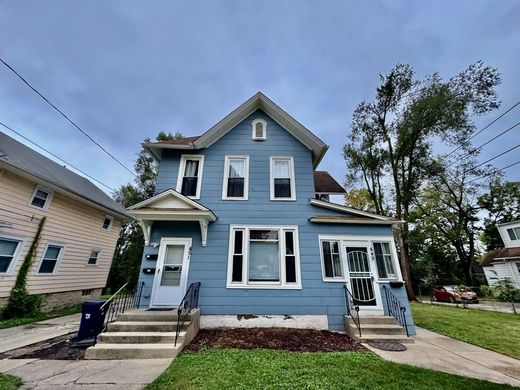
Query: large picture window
[
  {"x": 282, "y": 178},
  {"x": 190, "y": 176},
  {"x": 236, "y": 178},
  {"x": 263, "y": 256}
]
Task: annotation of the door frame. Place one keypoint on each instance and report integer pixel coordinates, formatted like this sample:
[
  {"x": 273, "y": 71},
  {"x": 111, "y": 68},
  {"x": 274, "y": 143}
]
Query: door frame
[{"x": 165, "y": 241}]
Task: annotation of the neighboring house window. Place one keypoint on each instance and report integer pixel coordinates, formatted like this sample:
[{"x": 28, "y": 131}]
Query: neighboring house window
[
  {"x": 41, "y": 198},
  {"x": 331, "y": 259},
  {"x": 236, "y": 178},
  {"x": 514, "y": 233},
  {"x": 385, "y": 264},
  {"x": 107, "y": 222},
  {"x": 282, "y": 178},
  {"x": 50, "y": 259},
  {"x": 8, "y": 252},
  {"x": 190, "y": 176},
  {"x": 259, "y": 130},
  {"x": 263, "y": 257},
  {"x": 94, "y": 257},
  {"x": 518, "y": 267}
]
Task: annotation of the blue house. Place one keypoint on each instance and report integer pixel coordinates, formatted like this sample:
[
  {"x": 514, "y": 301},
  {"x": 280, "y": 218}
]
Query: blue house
[{"x": 243, "y": 210}]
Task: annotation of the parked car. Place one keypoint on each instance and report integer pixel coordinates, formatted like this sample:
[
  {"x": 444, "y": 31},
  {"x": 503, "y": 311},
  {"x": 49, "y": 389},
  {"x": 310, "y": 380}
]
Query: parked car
[{"x": 453, "y": 295}]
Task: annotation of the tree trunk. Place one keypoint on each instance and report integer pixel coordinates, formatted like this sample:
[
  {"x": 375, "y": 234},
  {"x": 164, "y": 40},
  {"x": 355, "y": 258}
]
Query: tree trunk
[{"x": 402, "y": 239}]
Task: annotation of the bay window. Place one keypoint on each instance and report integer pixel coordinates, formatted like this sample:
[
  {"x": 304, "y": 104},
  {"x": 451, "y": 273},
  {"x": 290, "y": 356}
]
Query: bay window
[
  {"x": 263, "y": 256},
  {"x": 190, "y": 176},
  {"x": 282, "y": 178},
  {"x": 236, "y": 177}
]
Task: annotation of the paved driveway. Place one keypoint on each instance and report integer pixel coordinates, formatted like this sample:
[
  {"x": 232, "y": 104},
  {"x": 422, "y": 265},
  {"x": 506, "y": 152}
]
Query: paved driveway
[{"x": 437, "y": 352}]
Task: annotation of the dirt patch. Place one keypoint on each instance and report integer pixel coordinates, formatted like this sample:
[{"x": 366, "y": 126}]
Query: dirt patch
[
  {"x": 58, "y": 348},
  {"x": 297, "y": 340}
]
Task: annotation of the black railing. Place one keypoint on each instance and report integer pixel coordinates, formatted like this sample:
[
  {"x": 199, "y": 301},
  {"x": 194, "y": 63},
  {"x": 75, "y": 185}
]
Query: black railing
[
  {"x": 121, "y": 301},
  {"x": 352, "y": 309},
  {"x": 396, "y": 308},
  {"x": 188, "y": 303}
]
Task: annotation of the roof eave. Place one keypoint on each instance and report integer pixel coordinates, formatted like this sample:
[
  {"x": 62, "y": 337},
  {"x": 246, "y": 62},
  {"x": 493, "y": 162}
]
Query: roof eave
[{"x": 355, "y": 221}]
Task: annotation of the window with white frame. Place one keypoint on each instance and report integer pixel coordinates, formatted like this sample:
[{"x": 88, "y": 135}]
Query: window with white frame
[
  {"x": 8, "y": 252},
  {"x": 190, "y": 176},
  {"x": 236, "y": 178},
  {"x": 263, "y": 257},
  {"x": 514, "y": 233},
  {"x": 282, "y": 178},
  {"x": 107, "y": 222},
  {"x": 50, "y": 259},
  {"x": 259, "y": 130},
  {"x": 41, "y": 198},
  {"x": 384, "y": 260},
  {"x": 94, "y": 257},
  {"x": 331, "y": 258}
]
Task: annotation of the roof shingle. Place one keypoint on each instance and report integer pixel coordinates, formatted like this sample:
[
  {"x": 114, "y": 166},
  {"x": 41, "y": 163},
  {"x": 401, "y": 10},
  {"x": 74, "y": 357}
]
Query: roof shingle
[
  {"x": 500, "y": 254},
  {"x": 324, "y": 183}
]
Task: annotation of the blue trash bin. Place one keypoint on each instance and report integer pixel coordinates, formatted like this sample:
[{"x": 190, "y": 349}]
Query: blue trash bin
[{"x": 92, "y": 318}]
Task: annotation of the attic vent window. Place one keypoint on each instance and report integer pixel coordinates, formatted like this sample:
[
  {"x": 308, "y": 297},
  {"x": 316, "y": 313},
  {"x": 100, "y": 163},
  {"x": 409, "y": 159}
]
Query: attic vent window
[{"x": 259, "y": 130}]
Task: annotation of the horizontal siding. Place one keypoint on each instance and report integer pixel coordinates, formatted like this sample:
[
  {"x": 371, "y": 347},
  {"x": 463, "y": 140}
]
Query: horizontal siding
[{"x": 75, "y": 225}]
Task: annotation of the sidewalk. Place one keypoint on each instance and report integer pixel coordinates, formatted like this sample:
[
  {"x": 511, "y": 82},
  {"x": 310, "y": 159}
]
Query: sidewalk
[
  {"x": 437, "y": 352},
  {"x": 20, "y": 336},
  {"x": 483, "y": 305}
]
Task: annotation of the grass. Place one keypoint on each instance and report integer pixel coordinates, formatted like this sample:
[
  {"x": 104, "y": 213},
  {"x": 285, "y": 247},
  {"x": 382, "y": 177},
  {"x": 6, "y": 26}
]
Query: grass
[
  {"x": 496, "y": 331},
  {"x": 40, "y": 317},
  {"x": 9, "y": 382},
  {"x": 275, "y": 369}
]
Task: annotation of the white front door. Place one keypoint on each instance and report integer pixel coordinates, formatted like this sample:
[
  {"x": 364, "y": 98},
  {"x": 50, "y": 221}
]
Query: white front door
[
  {"x": 171, "y": 274},
  {"x": 360, "y": 276}
]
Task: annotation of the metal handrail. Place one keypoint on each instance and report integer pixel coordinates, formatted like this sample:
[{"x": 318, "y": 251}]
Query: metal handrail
[
  {"x": 352, "y": 308},
  {"x": 396, "y": 308},
  {"x": 121, "y": 301},
  {"x": 188, "y": 303}
]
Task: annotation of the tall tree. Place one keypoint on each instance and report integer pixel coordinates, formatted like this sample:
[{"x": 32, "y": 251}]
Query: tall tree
[
  {"x": 361, "y": 199},
  {"x": 390, "y": 145}
]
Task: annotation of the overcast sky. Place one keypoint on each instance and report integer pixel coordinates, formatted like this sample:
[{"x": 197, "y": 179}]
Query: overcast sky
[{"x": 124, "y": 70}]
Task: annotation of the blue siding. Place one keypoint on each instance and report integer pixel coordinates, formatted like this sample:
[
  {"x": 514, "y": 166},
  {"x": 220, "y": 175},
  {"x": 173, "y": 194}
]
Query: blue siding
[{"x": 209, "y": 264}]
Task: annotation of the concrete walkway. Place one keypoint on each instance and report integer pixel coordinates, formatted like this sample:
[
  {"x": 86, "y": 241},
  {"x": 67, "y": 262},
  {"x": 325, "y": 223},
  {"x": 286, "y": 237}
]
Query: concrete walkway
[
  {"x": 483, "y": 305},
  {"x": 20, "y": 336},
  {"x": 436, "y": 352},
  {"x": 85, "y": 374}
]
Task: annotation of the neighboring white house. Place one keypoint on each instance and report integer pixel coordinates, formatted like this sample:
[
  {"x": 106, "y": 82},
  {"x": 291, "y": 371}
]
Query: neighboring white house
[{"x": 505, "y": 263}]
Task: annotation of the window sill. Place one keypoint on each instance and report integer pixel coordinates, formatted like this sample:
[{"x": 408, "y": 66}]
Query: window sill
[
  {"x": 283, "y": 199},
  {"x": 235, "y": 199},
  {"x": 264, "y": 287},
  {"x": 335, "y": 280}
]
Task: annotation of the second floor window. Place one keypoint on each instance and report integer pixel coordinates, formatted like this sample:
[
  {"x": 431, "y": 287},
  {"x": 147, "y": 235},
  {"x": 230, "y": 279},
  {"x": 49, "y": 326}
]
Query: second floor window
[
  {"x": 514, "y": 233},
  {"x": 282, "y": 178},
  {"x": 236, "y": 172},
  {"x": 41, "y": 198},
  {"x": 190, "y": 175}
]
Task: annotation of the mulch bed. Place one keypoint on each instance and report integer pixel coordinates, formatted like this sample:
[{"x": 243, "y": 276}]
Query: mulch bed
[
  {"x": 296, "y": 340},
  {"x": 58, "y": 348}
]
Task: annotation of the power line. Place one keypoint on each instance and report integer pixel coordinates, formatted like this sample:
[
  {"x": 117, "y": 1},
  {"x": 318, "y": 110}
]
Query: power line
[
  {"x": 23, "y": 215},
  {"x": 494, "y": 158},
  {"x": 65, "y": 116},
  {"x": 488, "y": 125},
  {"x": 492, "y": 173},
  {"x": 55, "y": 156}
]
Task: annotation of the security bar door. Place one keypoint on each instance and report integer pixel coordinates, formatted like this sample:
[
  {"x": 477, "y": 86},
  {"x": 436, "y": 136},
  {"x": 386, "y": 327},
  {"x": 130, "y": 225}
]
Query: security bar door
[{"x": 360, "y": 276}]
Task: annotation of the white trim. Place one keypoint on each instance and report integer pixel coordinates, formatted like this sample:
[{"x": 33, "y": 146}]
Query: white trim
[
  {"x": 48, "y": 200},
  {"x": 264, "y": 130},
  {"x": 282, "y": 284},
  {"x": 182, "y": 166},
  {"x": 165, "y": 193},
  {"x": 292, "y": 177},
  {"x": 226, "y": 177},
  {"x": 17, "y": 252},
  {"x": 345, "y": 209},
  {"x": 322, "y": 259},
  {"x": 160, "y": 262},
  {"x": 58, "y": 260},
  {"x": 353, "y": 221},
  {"x": 110, "y": 224},
  {"x": 98, "y": 258}
]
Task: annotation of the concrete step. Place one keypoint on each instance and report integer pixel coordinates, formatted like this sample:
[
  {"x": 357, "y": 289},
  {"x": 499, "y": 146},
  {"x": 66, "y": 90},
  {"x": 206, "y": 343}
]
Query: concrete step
[
  {"x": 144, "y": 315},
  {"x": 144, "y": 326},
  {"x": 379, "y": 329},
  {"x": 132, "y": 351},
  {"x": 140, "y": 337},
  {"x": 377, "y": 320},
  {"x": 381, "y": 338}
]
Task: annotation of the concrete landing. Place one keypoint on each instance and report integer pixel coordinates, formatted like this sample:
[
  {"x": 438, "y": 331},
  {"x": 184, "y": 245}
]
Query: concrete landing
[{"x": 437, "y": 352}]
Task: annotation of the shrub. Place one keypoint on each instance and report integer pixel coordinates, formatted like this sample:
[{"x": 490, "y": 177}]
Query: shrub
[{"x": 506, "y": 292}]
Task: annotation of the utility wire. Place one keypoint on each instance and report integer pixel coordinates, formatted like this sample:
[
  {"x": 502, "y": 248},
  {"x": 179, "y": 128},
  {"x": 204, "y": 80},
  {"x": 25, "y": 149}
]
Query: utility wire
[
  {"x": 23, "y": 215},
  {"x": 488, "y": 125},
  {"x": 55, "y": 156},
  {"x": 492, "y": 173},
  {"x": 66, "y": 117},
  {"x": 494, "y": 158}
]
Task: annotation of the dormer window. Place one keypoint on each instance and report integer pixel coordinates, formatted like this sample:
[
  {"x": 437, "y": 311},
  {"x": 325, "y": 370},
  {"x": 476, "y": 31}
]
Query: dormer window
[{"x": 259, "y": 130}]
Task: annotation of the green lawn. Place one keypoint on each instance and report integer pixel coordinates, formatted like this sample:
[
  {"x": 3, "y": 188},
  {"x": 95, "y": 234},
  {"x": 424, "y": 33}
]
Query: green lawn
[
  {"x": 43, "y": 316},
  {"x": 496, "y": 331},
  {"x": 9, "y": 382},
  {"x": 274, "y": 369}
]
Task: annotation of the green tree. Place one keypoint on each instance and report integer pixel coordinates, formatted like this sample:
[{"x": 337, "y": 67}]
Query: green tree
[
  {"x": 360, "y": 199},
  {"x": 390, "y": 146}
]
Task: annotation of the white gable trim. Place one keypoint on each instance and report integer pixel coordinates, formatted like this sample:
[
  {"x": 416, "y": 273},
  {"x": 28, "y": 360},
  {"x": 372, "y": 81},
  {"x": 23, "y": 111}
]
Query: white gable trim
[
  {"x": 168, "y": 193},
  {"x": 345, "y": 209}
]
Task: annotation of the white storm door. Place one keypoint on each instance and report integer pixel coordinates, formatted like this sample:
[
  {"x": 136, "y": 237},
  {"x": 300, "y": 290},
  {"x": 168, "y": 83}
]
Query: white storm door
[{"x": 171, "y": 274}]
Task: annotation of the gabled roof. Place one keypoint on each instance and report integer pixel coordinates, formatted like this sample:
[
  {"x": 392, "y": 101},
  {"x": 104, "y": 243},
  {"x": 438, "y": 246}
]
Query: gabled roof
[
  {"x": 23, "y": 160},
  {"x": 348, "y": 215},
  {"x": 257, "y": 102},
  {"x": 324, "y": 183},
  {"x": 500, "y": 254}
]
